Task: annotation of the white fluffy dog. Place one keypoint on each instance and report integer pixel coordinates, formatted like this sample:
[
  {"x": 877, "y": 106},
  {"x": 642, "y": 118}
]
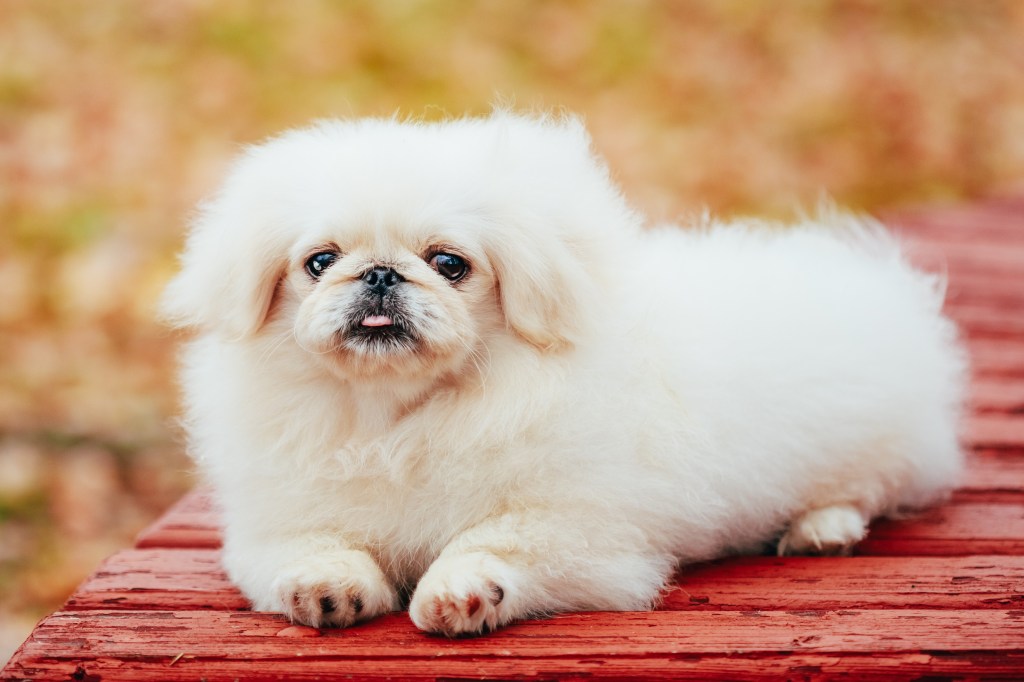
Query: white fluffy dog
[{"x": 444, "y": 363}]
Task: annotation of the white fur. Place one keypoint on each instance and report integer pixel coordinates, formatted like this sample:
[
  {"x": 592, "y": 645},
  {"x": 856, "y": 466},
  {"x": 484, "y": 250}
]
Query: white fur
[{"x": 595, "y": 404}]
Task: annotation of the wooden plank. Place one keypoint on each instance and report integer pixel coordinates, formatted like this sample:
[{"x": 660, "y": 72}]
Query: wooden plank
[
  {"x": 951, "y": 234},
  {"x": 991, "y": 220},
  {"x": 220, "y": 645},
  {"x": 979, "y": 321},
  {"x": 995, "y": 259},
  {"x": 159, "y": 580},
  {"x": 986, "y": 288},
  {"x": 918, "y": 666},
  {"x": 965, "y": 309},
  {"x": 191, "y": 523},
  {"x": 996, "y": 432},
  {"x": 176, "y": 580},
  {"x": 1005, "y": 302},
  {"x": 997, "y": 395},
  {"x": 950, "y": 530},
  {"x": 997, "y": 357},
  {"x": 863, "y": 582},
  {"x": 992, "y": 477}
]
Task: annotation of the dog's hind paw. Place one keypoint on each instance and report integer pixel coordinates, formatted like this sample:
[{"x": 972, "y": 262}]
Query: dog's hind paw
[{"x": 829, "y": 531}]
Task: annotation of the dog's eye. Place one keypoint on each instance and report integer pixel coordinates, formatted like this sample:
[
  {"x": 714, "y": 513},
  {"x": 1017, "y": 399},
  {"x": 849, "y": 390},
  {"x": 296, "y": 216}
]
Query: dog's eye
[
  {"x": 318, "y": 263},
  {"x": 451, "y": 267}
]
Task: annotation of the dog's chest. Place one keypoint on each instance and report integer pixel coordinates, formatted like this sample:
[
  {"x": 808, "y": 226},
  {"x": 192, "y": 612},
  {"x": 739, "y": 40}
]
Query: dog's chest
[{"x": 406, "y": 516}]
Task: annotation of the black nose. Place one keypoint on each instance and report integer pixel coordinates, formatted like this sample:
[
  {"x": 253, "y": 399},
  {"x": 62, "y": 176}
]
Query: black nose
[{"x": 381, "y": 280}]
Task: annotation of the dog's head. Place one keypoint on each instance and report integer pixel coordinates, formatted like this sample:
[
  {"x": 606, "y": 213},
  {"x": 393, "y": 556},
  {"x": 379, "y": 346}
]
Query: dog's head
[{"x": 392, "y": 249}]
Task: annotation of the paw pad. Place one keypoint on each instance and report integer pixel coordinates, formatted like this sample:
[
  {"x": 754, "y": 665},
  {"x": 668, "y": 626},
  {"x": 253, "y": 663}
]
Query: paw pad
[{"x": 324, "y": 594}]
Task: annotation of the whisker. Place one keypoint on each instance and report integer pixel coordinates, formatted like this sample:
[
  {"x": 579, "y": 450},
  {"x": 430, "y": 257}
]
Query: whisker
[
  {"x": 268, "y": 352},
  {"x": 332, "y": 349}
]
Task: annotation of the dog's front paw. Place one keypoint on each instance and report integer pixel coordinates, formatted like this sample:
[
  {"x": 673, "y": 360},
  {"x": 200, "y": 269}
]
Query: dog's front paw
[
  {"x": 461, "y": 595},
  {"x": 334, "y": 591}
]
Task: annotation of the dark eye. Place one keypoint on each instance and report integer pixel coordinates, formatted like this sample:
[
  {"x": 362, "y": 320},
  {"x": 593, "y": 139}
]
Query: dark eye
[
  {"x": 318, "y": 263},
  {"x": 448, "y": 265}
]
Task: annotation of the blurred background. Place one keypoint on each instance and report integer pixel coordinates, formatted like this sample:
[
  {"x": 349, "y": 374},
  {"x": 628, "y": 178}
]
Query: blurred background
[{"x": 117, "y": 117}]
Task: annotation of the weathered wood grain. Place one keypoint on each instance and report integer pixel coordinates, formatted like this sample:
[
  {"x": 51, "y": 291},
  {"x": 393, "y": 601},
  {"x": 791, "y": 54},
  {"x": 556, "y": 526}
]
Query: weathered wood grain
[
  {"x": 986, "y": 322},
  {"x": 950, "y": 530},
  {"x": 191, "y": 523},
  {"x": 159, "y": 580},
  {"x": 997, "y": 220},
  {"x": 220, "y": 645},
  {"x": 986, "y": 289},
  {"x": 997, "y": 357},
  {"x": 1001, "y": 395},
  {"x": 996, "y": 432},
  {"x": 862, "y": 582},
  {"x": 877, "y": 667},
  {"x": 966, "y": 257},
  {"x": 992, "y": 477},
  {"x": 181, "y": 580}
]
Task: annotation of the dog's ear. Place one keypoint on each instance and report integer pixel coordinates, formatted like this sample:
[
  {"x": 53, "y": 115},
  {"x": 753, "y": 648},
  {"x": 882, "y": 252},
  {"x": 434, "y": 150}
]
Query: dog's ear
[
  {"x": 542, "y": 286},
  {"x": 550, "y": 231},
  {"x": 231, "y": 267}
]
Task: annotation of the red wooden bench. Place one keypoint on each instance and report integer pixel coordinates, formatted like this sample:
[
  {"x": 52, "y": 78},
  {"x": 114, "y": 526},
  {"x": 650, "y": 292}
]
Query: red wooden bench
[{"x": 941, "y": 594}]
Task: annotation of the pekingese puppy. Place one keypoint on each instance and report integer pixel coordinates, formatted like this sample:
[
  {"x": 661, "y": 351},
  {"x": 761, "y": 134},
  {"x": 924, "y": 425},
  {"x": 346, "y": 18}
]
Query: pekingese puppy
[{"x": 445, "y": 364}]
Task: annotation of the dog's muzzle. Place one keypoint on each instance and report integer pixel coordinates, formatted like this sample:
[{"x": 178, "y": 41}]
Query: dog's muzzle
[{"x": 379, "y": 319}]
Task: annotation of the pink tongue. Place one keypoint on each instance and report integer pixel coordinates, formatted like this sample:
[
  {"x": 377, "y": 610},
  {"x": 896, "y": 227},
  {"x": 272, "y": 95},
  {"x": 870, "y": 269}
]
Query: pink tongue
[{"x": 377, "y": 321}]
